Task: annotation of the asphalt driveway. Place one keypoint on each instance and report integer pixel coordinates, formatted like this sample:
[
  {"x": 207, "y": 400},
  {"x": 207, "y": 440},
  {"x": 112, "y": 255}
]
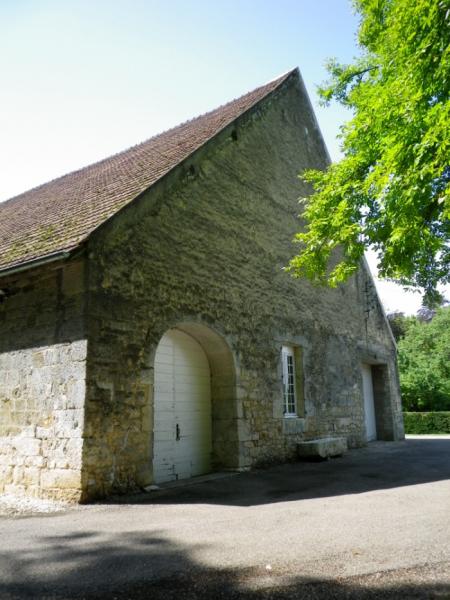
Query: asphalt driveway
[{"x": 373, "y": 524}]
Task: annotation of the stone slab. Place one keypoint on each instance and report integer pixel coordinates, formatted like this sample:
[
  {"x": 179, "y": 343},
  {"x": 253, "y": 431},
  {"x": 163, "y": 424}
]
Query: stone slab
[{"x": 322, "y": 448}]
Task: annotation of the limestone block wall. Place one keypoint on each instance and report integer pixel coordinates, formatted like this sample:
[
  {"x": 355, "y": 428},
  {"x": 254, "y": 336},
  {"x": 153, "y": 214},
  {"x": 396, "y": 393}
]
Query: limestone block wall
[
  {"x": 207, "y": 245},
  {"x": 43, "y": 355}
]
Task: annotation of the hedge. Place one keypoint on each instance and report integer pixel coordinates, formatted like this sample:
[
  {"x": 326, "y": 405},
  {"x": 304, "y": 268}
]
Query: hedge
[{"x": 427, "y": 422}]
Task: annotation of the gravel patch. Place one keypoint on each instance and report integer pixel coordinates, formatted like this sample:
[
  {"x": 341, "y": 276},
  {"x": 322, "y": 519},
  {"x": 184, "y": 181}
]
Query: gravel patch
[{"x": 14, "y": 506}]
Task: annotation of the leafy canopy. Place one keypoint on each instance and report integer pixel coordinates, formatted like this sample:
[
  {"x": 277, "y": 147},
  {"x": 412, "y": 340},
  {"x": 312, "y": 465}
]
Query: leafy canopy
[
  {"x": 424, "y": 363},
  {"x": 391, "y": 190}
]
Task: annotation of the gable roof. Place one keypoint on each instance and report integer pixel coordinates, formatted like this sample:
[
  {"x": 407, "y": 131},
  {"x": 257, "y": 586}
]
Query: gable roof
[{"x": 55, "y": 218}]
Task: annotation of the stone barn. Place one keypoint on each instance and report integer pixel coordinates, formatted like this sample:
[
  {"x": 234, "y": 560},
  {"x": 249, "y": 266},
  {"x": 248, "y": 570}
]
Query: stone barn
[{"x": 148, "y": 330}]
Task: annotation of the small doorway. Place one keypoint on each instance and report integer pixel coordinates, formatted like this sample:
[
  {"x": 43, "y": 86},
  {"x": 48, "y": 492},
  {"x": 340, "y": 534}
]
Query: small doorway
[
  {"x": 369, "y": 403},
  {"x": 182, "y": 442}
]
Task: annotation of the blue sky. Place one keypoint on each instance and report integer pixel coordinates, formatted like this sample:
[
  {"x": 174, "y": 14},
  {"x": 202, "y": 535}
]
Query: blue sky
[{"x": 84, "y": 79}]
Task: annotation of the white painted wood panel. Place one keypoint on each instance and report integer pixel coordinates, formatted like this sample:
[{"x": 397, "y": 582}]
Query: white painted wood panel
[
  {"x": 182, "y": 396},
  {"x": 369, "y": 404}
]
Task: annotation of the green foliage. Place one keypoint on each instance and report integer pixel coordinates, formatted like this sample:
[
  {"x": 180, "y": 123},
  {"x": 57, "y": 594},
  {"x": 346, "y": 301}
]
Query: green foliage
[
  {"x": 424, "y": 363},
  {"x": 429, "y": 422},
  {"x": 391, "y": 191},
  {"x": 399, "y": 323}
]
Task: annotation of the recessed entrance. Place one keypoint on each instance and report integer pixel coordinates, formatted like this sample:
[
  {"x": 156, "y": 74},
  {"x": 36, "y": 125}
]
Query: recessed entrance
[
  {"x": 369, "y": 403},
  {"x": 182, "y": 409}
]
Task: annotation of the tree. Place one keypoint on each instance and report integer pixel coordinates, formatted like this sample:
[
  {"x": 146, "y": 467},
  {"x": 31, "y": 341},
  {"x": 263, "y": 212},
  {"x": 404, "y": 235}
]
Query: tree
[
  {"x": 427, "y": 313},
  {"x": 424, "y": 363},
  {"x": 399, "y": 323},
  {"x": 391, "y": 190}
]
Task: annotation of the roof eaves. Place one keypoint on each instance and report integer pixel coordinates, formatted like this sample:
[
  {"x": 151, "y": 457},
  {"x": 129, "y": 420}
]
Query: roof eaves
[{"x": 37, "y": 262}]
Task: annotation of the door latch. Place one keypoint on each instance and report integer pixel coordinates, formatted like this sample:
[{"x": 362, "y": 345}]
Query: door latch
[{"x": 177, "y": 432}]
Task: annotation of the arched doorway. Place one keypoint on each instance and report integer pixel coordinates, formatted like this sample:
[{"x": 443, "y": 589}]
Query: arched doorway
[
  {"x": 195, "y": 416},
  {"x": 182, "y": 409}
]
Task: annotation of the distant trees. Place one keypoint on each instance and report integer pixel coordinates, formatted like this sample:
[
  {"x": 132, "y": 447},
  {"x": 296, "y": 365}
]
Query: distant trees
[
  {"x": 424, "y": 359},
  {"x": 399, "y": 324}
]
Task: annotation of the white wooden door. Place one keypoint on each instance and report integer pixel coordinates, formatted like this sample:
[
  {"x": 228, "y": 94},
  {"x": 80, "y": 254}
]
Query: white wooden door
[
  {"x": 369, "y": 404},
  {"x": 182, "y": 409}
]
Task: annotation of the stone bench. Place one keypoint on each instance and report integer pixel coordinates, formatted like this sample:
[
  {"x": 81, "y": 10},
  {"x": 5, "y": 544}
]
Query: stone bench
[{"x": 322, "y": 448}]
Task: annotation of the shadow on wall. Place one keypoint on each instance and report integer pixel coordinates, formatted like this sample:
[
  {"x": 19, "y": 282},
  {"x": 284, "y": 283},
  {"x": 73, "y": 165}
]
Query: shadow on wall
[
  {"x": 141, "y": 566},
  {"x": 382, "y": 465}
]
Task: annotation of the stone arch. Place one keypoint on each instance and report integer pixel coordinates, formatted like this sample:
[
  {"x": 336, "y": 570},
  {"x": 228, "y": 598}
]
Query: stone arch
[{"x": 224, "y": 411}]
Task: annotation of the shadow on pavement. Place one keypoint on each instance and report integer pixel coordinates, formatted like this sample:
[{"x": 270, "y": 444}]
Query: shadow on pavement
[
  {"x": 382, "y": 465},
  {"x": 142, "y": 566}
]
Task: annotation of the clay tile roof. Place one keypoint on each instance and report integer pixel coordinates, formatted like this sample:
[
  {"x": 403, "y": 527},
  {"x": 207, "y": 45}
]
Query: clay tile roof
[{"x": 58, "y": 216}]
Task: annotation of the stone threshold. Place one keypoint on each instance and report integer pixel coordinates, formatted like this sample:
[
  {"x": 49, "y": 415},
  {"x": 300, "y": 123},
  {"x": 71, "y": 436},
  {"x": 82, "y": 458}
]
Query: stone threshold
[{"x": 191, "y": 481}]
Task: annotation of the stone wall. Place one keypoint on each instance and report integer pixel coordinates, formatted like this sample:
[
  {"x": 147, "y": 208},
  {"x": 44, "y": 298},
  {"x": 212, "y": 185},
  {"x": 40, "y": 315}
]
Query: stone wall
[
  {"x": 42, "y": 382},
  {"x": 203, "y": 251},
  {"x": 207, "y": 246}
]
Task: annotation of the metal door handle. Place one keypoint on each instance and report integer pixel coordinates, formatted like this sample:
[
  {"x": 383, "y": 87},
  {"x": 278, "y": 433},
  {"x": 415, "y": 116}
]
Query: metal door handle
[{"x": 177, "y": 432}]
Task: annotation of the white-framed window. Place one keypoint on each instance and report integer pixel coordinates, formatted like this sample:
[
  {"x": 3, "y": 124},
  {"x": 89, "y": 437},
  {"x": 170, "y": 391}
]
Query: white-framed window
[{"x": 289, "y": 381}]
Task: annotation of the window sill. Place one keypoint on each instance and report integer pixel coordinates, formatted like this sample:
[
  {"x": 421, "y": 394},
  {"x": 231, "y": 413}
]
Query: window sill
[{"x": 293, "y": 424}]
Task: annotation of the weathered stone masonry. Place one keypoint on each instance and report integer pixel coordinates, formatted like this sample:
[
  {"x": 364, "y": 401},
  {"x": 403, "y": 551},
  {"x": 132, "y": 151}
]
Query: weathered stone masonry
[
  {"x": 208, "y": 246},
  {"x": 43, "y": 353},
  {"x": 202, "y": 250}
]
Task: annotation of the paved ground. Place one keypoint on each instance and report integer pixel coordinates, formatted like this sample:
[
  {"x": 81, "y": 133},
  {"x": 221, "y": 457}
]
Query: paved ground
[{"x": 374, "y": 524}]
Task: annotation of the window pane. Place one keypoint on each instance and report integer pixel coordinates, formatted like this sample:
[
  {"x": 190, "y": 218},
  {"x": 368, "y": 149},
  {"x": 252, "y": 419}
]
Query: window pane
[{"x": 289, "y": 407}]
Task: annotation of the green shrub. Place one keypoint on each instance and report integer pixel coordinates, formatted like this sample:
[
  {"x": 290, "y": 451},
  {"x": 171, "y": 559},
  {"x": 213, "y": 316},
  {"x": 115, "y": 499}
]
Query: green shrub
[
  {"x": 424, "y": 363},
  {"x": 427, "y": 422}
]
